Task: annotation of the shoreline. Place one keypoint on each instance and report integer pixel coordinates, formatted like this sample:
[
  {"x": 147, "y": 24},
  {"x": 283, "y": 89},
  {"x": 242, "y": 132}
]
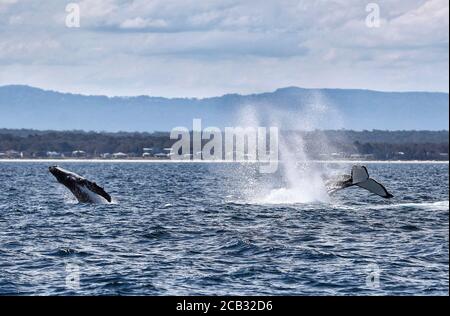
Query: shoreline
[{"x": 218, "y": 161}]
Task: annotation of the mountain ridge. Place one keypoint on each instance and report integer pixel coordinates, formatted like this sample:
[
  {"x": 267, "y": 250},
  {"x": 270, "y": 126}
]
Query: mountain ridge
[
  {"x": 281, "y": 89},
  {"x": 23, "y": 106}
]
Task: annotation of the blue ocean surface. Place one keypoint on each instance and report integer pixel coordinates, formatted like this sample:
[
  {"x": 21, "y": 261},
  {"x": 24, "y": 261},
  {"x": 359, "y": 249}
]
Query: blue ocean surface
[{"x": 222, "y": 229}]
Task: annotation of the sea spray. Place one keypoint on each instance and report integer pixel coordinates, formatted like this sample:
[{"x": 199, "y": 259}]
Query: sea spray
[{"x": 298, "y": 179}]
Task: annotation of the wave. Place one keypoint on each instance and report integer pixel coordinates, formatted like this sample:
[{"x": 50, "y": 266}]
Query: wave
[
  {"x": 290, "y": 196},
  {"x": 436, "y": 205}
]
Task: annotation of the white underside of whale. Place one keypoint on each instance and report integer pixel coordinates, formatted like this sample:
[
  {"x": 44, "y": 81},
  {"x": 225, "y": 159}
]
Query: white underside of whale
[{"x": 94, "y": 197}]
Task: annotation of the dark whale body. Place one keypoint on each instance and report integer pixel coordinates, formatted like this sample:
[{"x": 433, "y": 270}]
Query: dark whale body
[
  {"x": 359, "y": 177},
  {"x": 84, "y": 190}
]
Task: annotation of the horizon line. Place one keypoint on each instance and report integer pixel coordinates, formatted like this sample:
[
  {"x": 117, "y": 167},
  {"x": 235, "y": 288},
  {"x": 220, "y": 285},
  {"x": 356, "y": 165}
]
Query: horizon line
[
  {"x": 219, "y": 96},
  {"x": 168, "y": 132}
]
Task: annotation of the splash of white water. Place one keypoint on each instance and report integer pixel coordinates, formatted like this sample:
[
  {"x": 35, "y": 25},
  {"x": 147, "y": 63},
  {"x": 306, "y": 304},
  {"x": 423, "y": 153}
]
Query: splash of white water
[{"x": 302, "y": 181}]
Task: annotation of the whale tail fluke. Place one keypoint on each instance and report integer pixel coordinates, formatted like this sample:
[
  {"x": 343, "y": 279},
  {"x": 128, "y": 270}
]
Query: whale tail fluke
[
  {"x": 375, "y": 187},
  {"x": 359, "y": 174},
  {"x": 360, "y": 177}
]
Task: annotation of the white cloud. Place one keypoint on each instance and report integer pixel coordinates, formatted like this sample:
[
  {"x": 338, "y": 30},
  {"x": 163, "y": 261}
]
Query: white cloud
[
  {"x": 140, "y": 23},
  {"x": 5, "y": 2},
  {"x": 198, "y": 48},
  {"x": 98, "y": 9}
]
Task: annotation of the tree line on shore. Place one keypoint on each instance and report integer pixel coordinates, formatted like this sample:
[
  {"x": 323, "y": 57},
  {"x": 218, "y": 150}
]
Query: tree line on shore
[{"x": 382, "y": 145}]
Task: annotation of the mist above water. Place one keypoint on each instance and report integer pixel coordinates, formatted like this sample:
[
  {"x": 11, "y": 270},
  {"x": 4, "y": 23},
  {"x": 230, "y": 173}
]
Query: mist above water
[{"x": 298, "y": 179}]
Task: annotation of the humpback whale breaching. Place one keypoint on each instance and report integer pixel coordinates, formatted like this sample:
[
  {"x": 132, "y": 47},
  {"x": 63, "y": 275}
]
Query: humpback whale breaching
[
  {"x": 359, "y": 177},
  {"x": 84, "y": 190}
]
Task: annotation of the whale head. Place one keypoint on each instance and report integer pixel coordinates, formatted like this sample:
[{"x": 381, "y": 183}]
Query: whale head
[{"x": 63, "y": 176}]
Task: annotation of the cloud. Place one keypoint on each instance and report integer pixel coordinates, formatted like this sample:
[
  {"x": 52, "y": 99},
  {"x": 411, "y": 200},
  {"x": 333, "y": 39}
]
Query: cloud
[
  {"x": 203, "y": 48},
  {"x": 6, "y": 2},
  {"x": 141, "y": 23},
  {"x": 98, "y": 9}
]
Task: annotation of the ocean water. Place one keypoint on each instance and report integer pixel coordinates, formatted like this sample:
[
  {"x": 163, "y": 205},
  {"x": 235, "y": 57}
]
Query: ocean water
[{"x": 222, "y": 229}]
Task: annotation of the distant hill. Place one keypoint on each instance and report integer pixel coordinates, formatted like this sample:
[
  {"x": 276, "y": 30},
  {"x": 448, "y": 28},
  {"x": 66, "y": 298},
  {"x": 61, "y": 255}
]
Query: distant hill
[{"x": 33, "y": 108}]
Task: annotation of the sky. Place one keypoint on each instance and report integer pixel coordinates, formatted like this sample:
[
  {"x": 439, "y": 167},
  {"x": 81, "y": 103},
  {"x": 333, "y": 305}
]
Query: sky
[{"x": 201, "y": 48}]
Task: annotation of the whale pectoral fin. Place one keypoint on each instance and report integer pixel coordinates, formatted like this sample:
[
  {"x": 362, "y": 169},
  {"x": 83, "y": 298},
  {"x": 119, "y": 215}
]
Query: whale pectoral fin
[
  {"x": 375, "y": 187},
  {"x": 99, "y": 190}
]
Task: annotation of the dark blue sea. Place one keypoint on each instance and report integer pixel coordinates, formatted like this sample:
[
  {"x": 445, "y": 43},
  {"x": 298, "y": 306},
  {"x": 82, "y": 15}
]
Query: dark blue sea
[{"x": 222, "y": 229}]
